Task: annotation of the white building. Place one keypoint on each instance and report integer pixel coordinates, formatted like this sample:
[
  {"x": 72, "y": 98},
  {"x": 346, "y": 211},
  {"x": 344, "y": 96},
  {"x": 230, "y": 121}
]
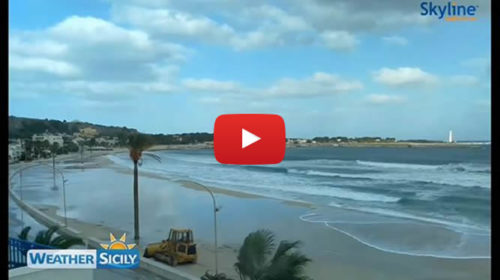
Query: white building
[
  {"x": 15, "y": 150},
  {"x": 88, "y": 132},
  {"x": 51, "y": 138},
  {"x": 107, "y": 141}
]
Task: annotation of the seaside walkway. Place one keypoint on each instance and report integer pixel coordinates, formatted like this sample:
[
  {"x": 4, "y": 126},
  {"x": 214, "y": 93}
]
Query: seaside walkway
[{"x": 92, "y": 235}]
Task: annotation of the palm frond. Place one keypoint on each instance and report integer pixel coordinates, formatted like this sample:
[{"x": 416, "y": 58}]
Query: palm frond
[
  {"x": 220, "y": 276},
  {"x": 67, "y": 242},
  {"x": 51, "y": 232},
  {"x": 288, "y": 266},
  {"x": 24, "y": 233},
  {"x": 57, "y": 240},
  {"x": 41, "y": 238},
  {"x": 44, "y": 236},
  {"x": 154, "y": 156},
  {"x": 284, "y": 247},
  {"x": 254, "y": 253}
]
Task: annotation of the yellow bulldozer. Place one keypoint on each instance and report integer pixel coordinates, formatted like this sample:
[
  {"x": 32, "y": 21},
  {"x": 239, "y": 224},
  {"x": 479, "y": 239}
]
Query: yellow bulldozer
[{"x": 178, "y": 248}]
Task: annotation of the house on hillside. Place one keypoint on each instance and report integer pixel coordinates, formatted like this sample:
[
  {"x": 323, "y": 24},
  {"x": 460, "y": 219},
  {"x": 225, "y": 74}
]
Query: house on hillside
[
  {"x": 107, "y": 141},
  {"x": 51, "y": 138},
  {"x": 88, "y": 132}
]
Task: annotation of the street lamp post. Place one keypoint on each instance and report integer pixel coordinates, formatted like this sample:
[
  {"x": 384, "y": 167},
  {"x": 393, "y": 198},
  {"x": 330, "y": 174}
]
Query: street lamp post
[
  {"x": 20, "y": 172},
  {"x": 21, "y": 191},
  {"x": 64, "y": 201},
  {"x": 54, "y": 171},
  {"x": 216, "y": 209}
]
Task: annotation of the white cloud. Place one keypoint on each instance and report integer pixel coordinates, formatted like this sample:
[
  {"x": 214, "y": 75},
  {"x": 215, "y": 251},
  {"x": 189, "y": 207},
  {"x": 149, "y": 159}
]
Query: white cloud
[
  {"x": 276, "y": 27},
  {"x": 210, "y": 85},
  {"x": 261, "y": 24},
  {"x": 210, "y": 100},
  {"x": 43, "y": 47},
  {"x": 171, "y": 22},
  {"x": 318, "y": 84},
  {"x": 385, "y": 99},
  {"x": 90, "y": 30},
  {"x": 404, "y": 76},
  {"x": 482, "y": 64},
  {"x": 59, "y": 68},
  {"x": 395, "y": 40},
  {"x": 339, "y": 40},
  {"x": 463, "y": 80},
  {"x": 272, "y": 15},
  {"x": 477, "y": 62},
  {"x": 87, "y": 56}
]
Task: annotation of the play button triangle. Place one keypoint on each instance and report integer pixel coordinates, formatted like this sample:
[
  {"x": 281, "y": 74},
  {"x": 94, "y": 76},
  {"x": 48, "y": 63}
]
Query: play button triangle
[{"x": 248, "y": 138}]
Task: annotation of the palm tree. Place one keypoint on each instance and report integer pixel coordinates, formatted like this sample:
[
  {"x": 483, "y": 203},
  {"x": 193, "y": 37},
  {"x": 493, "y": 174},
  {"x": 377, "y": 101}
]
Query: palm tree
[
  {"x": 220, "y": 276},
  {"x": 44, "y": 237},
  {"x": 257, "y": 262},
  {"x": 137, "y": 144}
]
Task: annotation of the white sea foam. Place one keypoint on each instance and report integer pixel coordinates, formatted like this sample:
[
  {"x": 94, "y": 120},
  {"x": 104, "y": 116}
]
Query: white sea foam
[{"x": 452, "y": 253}]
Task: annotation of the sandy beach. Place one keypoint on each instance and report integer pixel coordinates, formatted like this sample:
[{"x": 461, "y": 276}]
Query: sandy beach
[{"x": 99, "y": 197}]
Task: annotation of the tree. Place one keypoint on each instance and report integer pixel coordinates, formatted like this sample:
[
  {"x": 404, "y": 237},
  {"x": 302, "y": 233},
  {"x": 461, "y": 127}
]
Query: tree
[
  {"x": 54, "y": 148},
  {"x": 138, "y": 143},
  {"x": 256, "y": 261},
  {"x": 44, "y": 237}
]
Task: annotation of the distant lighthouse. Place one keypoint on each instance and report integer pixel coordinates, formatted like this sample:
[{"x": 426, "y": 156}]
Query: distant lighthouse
[{"x": 450, "y": 137}]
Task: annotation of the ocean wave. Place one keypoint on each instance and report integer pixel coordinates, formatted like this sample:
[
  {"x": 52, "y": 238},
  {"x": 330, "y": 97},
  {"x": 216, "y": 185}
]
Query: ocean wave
[
  {"x": 266, "y": 168},
  {"x": 454, "y": 167},
  {"x": 457, "y": 226},
  {"x": 421, "y": 178},
  {"x": 376, "y": 245},
  {"x": 313, "y": 190},
  {"x": 361, "y": 196},
  {"x": 397, "y": 165}
]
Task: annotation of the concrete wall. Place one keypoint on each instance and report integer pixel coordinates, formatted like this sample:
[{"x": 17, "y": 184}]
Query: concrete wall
[{"x": 50, "y": 274}]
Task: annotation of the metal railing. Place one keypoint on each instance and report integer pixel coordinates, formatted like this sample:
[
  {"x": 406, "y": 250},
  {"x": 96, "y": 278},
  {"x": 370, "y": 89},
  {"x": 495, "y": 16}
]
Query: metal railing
[{"x": 18, "y": 250}]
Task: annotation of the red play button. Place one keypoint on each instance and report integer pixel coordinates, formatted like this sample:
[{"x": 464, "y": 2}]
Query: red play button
[{"x": 249, "y": 139}]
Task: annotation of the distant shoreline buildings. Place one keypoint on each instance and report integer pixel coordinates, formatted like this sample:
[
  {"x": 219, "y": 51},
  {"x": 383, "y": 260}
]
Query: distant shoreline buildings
[{"x": 43, "y": 145}]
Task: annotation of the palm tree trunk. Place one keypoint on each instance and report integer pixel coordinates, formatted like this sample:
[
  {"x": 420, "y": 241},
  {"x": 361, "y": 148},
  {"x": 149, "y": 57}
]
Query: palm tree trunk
[{"x": 136, "y": 203}]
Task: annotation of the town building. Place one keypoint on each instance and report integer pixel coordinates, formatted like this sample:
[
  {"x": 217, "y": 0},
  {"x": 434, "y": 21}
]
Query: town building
[
  {"x": 16, "y": 149},
  {"x": 88, "y": 132},
  {"x": 107, "y": 141},
  {"x": 51, "y": 138}
]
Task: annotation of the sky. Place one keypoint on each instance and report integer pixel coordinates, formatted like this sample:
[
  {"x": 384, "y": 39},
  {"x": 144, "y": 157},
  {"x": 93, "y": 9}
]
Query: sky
[{"x": 329, "y": 67}]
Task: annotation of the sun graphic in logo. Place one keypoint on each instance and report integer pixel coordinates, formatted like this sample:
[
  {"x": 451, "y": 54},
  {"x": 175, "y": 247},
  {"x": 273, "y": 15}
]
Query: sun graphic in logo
[{"x": 117, "y": 244}]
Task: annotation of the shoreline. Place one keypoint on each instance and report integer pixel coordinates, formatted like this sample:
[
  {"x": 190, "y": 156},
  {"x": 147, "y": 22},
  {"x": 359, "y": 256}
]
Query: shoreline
[
  {"x": 346, "y": 254},
  {"x": 192, "y": 185},
  {"x": 388, "y": 145},
  {"x": 203, "y": 146}
]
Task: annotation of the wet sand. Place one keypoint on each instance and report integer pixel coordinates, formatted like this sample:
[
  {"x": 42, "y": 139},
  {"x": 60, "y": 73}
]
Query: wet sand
[{"x": 101, "y": 194}]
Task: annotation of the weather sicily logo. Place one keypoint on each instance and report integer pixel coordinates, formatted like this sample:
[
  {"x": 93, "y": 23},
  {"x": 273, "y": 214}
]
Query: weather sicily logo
[
  {"x": 118, "y": 254},
  {"x": 115, "y": 254},
  {"x": 450, "y": 11}
]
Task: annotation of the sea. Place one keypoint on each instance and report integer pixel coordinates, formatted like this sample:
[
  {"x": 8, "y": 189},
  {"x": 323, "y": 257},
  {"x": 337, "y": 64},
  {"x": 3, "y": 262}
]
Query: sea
[{"x": 423, "y": 201}]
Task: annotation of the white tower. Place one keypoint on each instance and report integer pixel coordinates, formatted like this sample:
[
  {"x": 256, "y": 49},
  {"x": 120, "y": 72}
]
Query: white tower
[{"x": 450, "y": 137}]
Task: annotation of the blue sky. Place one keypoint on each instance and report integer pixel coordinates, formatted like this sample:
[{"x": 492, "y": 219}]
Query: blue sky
[{"x": 329, "y": 68}]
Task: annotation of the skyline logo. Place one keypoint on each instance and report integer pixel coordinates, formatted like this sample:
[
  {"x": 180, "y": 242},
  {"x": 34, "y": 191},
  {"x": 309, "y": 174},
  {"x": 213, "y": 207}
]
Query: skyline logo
[
  {"x": 449, "y": 12},
  {"x": 116, "y": 254}
]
